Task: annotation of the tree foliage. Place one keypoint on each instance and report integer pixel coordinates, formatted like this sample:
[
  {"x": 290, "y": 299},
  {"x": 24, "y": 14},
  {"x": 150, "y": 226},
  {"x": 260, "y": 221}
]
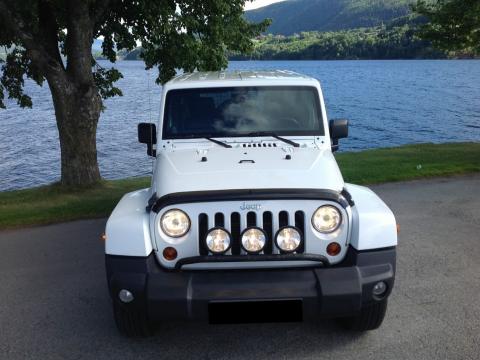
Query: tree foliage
[
  {"x": 454, "y": 25},
  {"x": 51, "y": 40},
  {"x": 40, "y": 36}
]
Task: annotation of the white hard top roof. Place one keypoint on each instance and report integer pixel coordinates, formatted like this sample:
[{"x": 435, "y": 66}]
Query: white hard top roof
[{"x": 238, "y": 75}]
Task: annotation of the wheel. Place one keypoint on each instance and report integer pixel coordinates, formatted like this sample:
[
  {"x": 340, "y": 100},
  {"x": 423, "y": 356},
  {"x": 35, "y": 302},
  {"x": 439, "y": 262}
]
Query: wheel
[
  {"x": 369, "y": 318},
  {"x": 131, "y": 322}
]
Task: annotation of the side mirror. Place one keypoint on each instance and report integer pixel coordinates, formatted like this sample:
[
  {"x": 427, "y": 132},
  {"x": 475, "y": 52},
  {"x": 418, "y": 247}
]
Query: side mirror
[
  {"x": 338, "y": 130},
  {"x": 147, "y": 134}
]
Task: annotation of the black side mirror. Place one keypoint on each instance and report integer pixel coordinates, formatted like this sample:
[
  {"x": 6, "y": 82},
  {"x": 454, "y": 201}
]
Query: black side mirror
[
  {"x": 147, "y": 134},
  {"x": 338, "y": 130}
]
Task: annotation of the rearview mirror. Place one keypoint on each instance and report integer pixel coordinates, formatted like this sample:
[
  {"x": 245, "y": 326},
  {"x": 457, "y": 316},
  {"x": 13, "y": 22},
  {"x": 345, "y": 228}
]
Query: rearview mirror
[
  {"x": 338, "y": 130},
  {"x": 147, "y": 134}
]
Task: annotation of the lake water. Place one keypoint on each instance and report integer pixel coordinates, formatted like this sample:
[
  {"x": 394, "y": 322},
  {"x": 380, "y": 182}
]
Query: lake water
[{"x": 388, "y": 103}]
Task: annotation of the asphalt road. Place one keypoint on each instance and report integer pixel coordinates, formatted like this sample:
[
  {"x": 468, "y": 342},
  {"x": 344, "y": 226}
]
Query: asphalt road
[{"x": 54, "y": 302}]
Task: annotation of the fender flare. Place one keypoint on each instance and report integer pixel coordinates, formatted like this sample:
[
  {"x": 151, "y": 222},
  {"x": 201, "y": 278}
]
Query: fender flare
[
  {"x": 374, "y": 225},
  {"x": 128, "y": 227}
]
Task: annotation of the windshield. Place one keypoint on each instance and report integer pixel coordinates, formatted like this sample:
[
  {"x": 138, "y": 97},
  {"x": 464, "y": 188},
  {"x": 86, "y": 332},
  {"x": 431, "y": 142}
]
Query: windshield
[{"x": 242, "y": 111}]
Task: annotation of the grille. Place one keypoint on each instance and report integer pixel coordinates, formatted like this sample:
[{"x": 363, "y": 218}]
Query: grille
[{"x": 268, "y": 221}]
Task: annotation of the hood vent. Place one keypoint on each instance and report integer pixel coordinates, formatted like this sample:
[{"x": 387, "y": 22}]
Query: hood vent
[{"x": 258, "y": 145}]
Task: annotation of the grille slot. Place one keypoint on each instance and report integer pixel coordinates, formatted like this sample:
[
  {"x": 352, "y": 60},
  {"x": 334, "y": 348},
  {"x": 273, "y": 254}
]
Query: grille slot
[
  {"x": 268, "y": 221},
  {"x": 202, "y": 233},
  {"x": 219, "y": 220},
  {"x": 300, "y": 225},
  {"x": 251, "y": 219},
  {"x": 283, "y": 218},
  {"x": 268, "y": 228},
  {"x": 235, "y": 231}
]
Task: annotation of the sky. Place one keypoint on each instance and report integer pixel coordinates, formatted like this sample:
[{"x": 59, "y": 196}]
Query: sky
[{"x": 259, "y": 3}]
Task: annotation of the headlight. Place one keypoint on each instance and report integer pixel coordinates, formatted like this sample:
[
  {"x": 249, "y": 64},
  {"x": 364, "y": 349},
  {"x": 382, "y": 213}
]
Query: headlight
[
  {"x": 288, "y": 239},
  {"x": 218, "y": 241},
  {"x": 175, "y": 223},
  {"x": 326, "y": 219},
  {"x": 253, "y": 240}
]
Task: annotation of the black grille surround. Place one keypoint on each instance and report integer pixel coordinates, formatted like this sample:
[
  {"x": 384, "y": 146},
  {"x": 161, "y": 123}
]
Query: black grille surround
[
  {"x": 155, "y": 203},
  {"x": 252, "y": 220}
]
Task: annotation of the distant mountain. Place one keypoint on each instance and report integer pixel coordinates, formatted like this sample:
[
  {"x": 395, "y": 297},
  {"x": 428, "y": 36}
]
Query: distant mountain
[{"x": 295, "y": 16}]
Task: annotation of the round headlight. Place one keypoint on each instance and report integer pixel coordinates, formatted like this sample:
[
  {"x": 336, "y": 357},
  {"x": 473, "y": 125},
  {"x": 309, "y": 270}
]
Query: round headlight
[
  {"x": 175, "y": 223},
  {"x": 253, "y": 240},
  {"x": 326, "y": 219},
  {"x": 218, "y": 241},
  {"x": 288, "y": 239}
]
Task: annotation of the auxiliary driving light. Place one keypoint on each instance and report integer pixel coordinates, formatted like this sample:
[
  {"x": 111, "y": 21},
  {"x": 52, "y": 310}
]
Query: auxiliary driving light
[
  {"x": 288, "y": 239},
  {"x": 175, "y": 223},
  {"x": 218, "y": 240},
  {"x": 326, "y": 219},
  {"x": 253, "y": 240}
]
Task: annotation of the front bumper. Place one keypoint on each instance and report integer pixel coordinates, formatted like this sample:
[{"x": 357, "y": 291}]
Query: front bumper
[{"x": 327, "y": 291}]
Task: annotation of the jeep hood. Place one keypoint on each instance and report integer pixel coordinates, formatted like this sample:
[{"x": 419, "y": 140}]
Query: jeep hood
[{"x": 188, "y": 170}]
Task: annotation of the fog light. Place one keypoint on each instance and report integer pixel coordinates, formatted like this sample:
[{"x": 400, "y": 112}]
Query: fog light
[
  {"x": 218, "y": 241},
  {"x": 333, "y": 249},
  {"x": 379, "y": 289},
  {"x": 253, "y": 240},
  {"x": 125, "y": 296},
  {"x": 288, "y": 239},
  {"x": 169, "y": 253}
]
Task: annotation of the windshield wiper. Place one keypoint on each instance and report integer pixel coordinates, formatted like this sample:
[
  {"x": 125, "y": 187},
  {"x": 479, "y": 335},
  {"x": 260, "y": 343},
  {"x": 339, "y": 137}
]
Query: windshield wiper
[
  {"x": 266, "y": 133},
  {"x": 218, "y": 142}
]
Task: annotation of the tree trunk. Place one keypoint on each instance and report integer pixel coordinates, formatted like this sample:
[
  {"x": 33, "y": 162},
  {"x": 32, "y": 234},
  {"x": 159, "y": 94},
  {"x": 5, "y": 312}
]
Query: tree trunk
[{"x": 77, "y": 110}]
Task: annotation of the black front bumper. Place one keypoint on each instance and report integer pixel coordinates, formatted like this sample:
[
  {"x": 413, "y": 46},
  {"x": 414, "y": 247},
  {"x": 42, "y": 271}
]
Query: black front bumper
[{"x": 328, "y": 291}]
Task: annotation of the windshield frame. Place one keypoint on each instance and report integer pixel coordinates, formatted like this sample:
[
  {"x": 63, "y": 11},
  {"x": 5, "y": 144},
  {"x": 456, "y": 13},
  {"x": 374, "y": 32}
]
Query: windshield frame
[{"x": 320, "y": 132}]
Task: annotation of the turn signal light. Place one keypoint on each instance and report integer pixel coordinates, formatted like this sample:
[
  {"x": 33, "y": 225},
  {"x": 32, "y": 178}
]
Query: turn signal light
[
  {"x": 333, "y": 249},
  {"x": 169, "y": 253}
]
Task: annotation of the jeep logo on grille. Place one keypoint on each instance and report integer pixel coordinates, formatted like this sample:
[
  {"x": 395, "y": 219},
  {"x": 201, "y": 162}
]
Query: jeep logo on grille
[{"x": 253, "y": 207}]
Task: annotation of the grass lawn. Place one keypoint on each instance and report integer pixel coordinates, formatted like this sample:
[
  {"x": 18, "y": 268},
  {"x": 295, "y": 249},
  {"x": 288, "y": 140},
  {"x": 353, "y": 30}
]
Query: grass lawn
[{"x": 53, "y": 203}]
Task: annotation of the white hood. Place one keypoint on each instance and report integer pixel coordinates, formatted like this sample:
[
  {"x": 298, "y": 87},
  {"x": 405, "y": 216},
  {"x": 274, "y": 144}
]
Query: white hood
[{"x": 246, "y": 168}]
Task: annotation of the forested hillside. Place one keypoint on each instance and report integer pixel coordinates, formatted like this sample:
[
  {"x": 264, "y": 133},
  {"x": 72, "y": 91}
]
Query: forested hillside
[
  {"x": 397, "y": 42},
  {"x": 294, "y": 16},
  {"x": 338, "y": 30}
]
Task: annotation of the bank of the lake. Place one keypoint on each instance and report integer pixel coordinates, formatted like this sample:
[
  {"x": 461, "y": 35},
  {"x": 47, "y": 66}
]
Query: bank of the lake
[{"x": 53, "y": 204}]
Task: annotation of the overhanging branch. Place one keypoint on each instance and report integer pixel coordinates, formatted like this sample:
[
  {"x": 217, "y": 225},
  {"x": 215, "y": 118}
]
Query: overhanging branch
[
  {"x": 41, "y": 57},
  {"x": 100, "y": 8}
]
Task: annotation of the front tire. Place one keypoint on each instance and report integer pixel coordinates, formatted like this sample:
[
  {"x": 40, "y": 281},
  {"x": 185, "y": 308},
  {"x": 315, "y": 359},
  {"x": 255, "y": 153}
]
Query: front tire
[
  {"x": 131, "y": 322},
  {"x": 369, "y": 318}
]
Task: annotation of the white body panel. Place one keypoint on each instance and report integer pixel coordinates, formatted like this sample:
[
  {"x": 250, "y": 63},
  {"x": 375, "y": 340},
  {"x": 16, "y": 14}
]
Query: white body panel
[
  {"x": 132, "y": 231},
  {"x": 183, "y": 171},
  {"x": 128, "y": 227},
  {"x": 374, "y": 224}
]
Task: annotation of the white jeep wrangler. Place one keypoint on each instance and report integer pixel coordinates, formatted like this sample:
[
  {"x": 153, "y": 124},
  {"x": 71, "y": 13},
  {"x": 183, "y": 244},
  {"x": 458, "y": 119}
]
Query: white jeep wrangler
[{"x": 248, "y": 217}]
